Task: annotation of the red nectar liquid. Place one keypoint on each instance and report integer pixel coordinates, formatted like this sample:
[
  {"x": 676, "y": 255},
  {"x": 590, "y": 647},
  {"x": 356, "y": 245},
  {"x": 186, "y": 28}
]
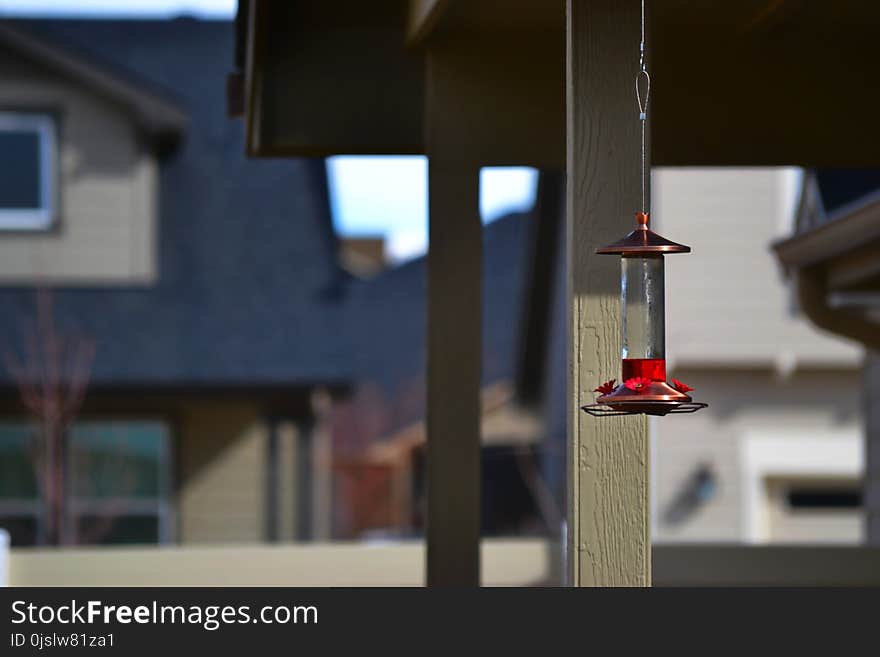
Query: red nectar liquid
[{"x": 648, "y": 368}]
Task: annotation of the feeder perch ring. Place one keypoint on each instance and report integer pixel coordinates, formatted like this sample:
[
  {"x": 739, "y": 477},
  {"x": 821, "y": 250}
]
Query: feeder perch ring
[{"x": 657, "y": 408}]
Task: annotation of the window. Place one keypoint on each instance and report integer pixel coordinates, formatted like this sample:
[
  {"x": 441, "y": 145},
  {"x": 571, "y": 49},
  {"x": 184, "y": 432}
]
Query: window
[
  {"x": 800, "y": 488},
  {"x": 118, "y": 483},
  {"x": 840, "y": 497},
  {"x": 814, "y": 510},
  {"x": 28, "y": 152},
  {"x": 20, "y": 506}
]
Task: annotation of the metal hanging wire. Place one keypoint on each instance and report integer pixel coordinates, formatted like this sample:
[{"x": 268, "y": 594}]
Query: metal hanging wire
[{"x": 643, "y": 79}]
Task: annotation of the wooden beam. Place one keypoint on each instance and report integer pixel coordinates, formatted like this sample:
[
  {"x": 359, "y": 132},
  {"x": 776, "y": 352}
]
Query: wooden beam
[
  {"x": 331, "y": 78},
  {"x": 608, "y": 511},
  {"x": 423, "y": 16},
  {"x": 454, "y": 364},
  {"x": 455, "y": 271},
  {"x": 504, "y": 96}
]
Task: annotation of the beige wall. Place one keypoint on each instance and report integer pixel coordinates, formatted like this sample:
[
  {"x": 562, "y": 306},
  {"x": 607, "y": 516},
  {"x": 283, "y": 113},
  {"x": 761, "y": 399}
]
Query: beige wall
[
  {"x": 824, "y": 405},
  {"x": 221, "y": 473},
  {"x": 728, "y": 303},
  {"x": 105, "y": 231}
]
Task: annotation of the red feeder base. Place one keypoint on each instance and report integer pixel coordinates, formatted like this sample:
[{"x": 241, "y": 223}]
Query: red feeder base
[{"x": 658, "y": 398}]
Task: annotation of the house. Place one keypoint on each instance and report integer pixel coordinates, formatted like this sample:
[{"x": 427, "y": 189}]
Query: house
[
  {"x": 206, "y": 285},
  {"x": 777, "y": 455},
  {"x": 226, "y": 332},
  {"x": 832, "y": 258}
]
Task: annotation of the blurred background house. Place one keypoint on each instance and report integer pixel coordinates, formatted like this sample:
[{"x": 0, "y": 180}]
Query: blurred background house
[
  {"x": 778, "y": 455},
  {"x": 205, "y": 328},
  {"x": 832, "y": 258},
  {"x": 157, "y": 243}
]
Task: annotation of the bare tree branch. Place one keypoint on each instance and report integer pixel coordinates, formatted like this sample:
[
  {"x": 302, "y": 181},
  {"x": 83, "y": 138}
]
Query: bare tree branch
[{"x": 52, "y": 377}]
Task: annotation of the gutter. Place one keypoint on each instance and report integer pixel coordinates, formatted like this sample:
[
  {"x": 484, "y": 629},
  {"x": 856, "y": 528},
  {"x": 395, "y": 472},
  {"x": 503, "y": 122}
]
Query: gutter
[{"x": 814, "y": 301}]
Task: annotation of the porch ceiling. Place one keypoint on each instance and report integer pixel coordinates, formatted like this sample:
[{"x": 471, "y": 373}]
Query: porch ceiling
[
  {"x": 737, "y": 16},
  {"x": 751, "y": 82}
]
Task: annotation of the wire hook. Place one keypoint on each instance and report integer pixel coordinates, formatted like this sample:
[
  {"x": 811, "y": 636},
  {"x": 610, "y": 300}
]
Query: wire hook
[{"x": 643, "y": 104}]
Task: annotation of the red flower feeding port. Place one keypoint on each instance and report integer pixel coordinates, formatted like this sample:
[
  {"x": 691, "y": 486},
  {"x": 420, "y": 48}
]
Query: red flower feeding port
[{"x": 643, "y": 370}]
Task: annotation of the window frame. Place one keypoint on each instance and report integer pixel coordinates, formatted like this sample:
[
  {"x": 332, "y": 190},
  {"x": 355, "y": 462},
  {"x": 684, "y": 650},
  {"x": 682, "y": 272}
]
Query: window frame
[
  {"x": 45, "y": 124},
  {"x": 162, "y": 507},
  {"x": 25, "y": 507},
  {"x": 776, "y": 453}
]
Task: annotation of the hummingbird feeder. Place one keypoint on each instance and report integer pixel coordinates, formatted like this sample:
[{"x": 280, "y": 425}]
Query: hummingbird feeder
[{"x": 644, "y": 387}]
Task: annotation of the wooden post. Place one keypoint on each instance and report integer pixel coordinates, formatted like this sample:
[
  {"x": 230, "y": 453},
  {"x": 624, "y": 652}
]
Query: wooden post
[
  {"x": 608, "y": 512},
  {"x": 455, "y": 275},
  {"x": 322, "y": 468},
  {"x": 454, "y": 366},
  {"x": 304, "y": 485},
  {"x": 473, "y": 80},
  {"x": 273, "y": 477}
]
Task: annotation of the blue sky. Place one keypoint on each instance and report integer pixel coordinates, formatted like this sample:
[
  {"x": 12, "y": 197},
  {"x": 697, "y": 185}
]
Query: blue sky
[
  {"x": 206, "y": 8},
  {"x": 370, "y": 195},
  {"x": 389, "y": 196}
]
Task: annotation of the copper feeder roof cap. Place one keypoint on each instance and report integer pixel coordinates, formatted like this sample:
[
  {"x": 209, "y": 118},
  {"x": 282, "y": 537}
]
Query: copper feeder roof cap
[{"x": 642, "y": 241}]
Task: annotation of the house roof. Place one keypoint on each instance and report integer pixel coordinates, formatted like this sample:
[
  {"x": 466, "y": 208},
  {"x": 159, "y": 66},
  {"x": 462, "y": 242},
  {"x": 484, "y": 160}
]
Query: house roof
[
  {"x": 248, "y": 292},
  {"x": 838, "y": 227},
  {"x": 155, "y": 110}
]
